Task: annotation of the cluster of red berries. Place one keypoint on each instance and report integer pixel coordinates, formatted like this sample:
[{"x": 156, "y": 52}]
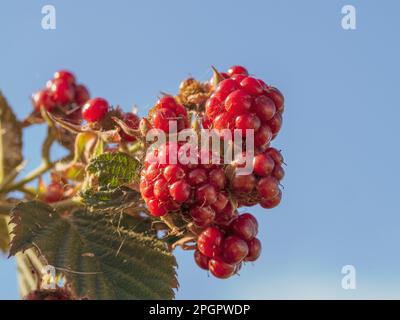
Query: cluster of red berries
[
  {"x": 62, "y": 93},
  {"x": 243, "y": 102},
  {"x": 223, "y": 250},
  {"x": 168, "y": 109},
  {"x": 262, "y": 185},
  {"x": 199, "y": 192},
  {"x": 167, "y": 185}
]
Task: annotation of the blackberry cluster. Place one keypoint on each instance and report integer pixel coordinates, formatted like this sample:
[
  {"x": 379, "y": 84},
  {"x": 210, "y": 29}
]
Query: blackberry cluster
[
  {"x": 168, "y": 109},
  {"x": 62, "y": 95},
  {"x": 244, "y": 102},
  {"x": 195, "y": 188},
  {"x": 223, "y": 250},
  {"x": 262, "y": 186},
  {"x": 208, "y": 195}
]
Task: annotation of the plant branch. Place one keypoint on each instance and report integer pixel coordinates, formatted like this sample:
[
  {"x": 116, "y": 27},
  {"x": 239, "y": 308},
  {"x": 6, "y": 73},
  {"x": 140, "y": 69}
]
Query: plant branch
[{"x": 43, "y": 168}]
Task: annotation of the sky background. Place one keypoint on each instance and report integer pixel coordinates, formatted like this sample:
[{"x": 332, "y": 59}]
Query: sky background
[{"x": 341, "y": 122}]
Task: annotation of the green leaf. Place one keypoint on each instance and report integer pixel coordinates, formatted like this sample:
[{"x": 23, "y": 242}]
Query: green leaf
[
  {"x": 10, "y": 139},
  {"x": 84, "y": 141},
  {"x": 113, "y": 170},
  {"x": 4, "y": 236},
  {"x": 100, "y": 260},
  {"x": 112, "y": 200}
]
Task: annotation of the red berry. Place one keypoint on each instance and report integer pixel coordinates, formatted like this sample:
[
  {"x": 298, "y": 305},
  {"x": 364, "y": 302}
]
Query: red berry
[
  {"x": 180, "y": 110},
  {"x": 202, "y": 215},
  {"x": 62, "y": 92},
  {"x": 157, "y": 208},
  {"x": 238, "y": 102},
  {"x": 220, "y": 268},
  {"x": 132, "y": 121},
  {"x": 180, "y": 191},
  {"x": 81, "y": 95},
  {"x": 243, "y": 183},
  {"x": 250, "y": 217},
  {"x": 254, "y": 250},
  {"x": 217, "y": 178},
  {"x": 214, "y": 107},
  {"x": 278, "y": 172},
  {"x": 238, "y": 78},
  {"x": 277, "y": 97},
  {"x": 268, "y": 188},
  {"x": 152, "y": 171},
  {"x": 275, "y": 123},
  {"x": 275, "y": 155},
  {"x": 224, "y": 88},
  {"x": 206, "y": 122},
  {"x": 252, "y": 86},
  {"x": 247, "y": 121},
  {"x": 173, "y": 172},
  {"x": 146, "y": 188},
  {"x": 263, "y": 137},
  {"x": 224, "y": 121},
  {"x": 245, "y": 226},
  {"x": 43, "y": 99},
  {"x": 66, "y": 76},
  {"x": 54, "y": 192},
  {"x": 167, "y": 102},
  {"x": 197, "y": 176},
  {"x": 237, "y": 70},
  {"x": 226, "y": 216},
  {"x": 161, "y": 191},
  {"x": 220, "y": 204},
  {"x": 209, "y": 242},
  {"x": 234, "y": 249},
  {"x": 162, "y": 119},
  {"x": 263, "y": 165},
  {"x": 201, "y": 260},
  {"x": 272, "y": 203},
  {"x": 264, "y": 108},
  {"x": 206, "y": 194},
  {"x": 95, "y": 110}
]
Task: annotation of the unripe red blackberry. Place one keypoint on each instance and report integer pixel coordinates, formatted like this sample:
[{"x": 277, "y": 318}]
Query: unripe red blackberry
[
  {"x": 210, "y": 241},
  {"x": 254, "y": 246},
  {"x": 43, "y": 99},
  {"x": 245, "y": 226},
  {"x": 221, "y": 269},
  {"x": 65, "y": 75},
  {"x": 268, "y": 188},
  {"x": 234, "y": 249},
  {"x": 95, "y": 110},
  {"x": 201, "y": 260},
  {"x": 62, "y": 91}
]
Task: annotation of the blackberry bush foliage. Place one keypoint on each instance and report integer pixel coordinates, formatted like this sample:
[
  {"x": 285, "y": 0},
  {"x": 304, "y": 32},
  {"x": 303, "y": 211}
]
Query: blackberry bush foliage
[{"x": 103, "y": 221}]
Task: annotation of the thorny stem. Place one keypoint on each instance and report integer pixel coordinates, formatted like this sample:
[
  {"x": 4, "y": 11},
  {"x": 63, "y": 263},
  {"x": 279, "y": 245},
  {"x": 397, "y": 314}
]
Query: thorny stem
[
  {"x": 169, "y": 222},
  {"x": 183, "y": 242}
]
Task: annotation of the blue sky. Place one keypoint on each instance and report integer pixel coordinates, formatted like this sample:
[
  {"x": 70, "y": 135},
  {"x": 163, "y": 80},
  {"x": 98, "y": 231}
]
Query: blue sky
[{"x": 340, "y": 203}]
